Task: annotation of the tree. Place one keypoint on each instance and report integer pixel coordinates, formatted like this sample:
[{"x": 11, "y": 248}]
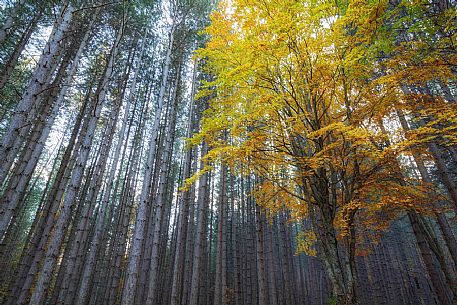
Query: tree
[{"x": 293, "y": 89}]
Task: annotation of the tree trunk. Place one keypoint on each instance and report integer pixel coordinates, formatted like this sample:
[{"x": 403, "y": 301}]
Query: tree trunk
[
  {"x": 220, "y": 292},
  {"x": 32, "y": 255},
  {"x": 200, "y": 230},
  {"x": 28, "y": 105},
  {"x": 261, "y": 274},
  {"x": 94, "y": 248},
  {"x": 159, "y": 204},
  {"x": 19, "y": 48},
  {"x": 429, "y": 262},
  {"x": 26, "y": 166},
  {"x": 77, "y": 175},
  {"x": 183, "y": 203},
  {"x": 128, "y": 294}
]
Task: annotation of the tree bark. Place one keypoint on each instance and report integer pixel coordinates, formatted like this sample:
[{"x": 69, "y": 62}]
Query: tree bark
[
  {"x": 29, "y": 104},
  {"x": 77, "y": 175},
  {"x": 128, "y": 295},
  {"x": 183, "y": 202},
  {"x": 19, "y": 48},
  {"x": 159, "y": 204}
]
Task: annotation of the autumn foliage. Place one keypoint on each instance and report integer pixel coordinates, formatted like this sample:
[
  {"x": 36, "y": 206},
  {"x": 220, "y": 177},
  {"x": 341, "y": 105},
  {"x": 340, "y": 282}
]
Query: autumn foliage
[{"x": 307, "y": 92}]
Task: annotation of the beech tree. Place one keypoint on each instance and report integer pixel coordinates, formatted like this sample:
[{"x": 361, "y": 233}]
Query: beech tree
[{"x": 295, "y": 104}]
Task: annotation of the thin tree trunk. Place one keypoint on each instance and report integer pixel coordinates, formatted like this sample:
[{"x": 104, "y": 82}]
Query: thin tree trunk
[
  {"x": 429, "y": 262},
  {"x": 261, "y": 274},
  {"x": 25, "y": 168},
  {"x": 159, "y": 205},
  {"x": 200, "y": 230},
  {"x": 77, "y": 175},
  {"x": 14, "y": 57},
  {"x": 221, "y": 282},
  {"x": 273, "y": 298},
  {"x": 89, "y": 264},
  {"x": 31, "y": 257},
  {"x": 128, "y": 294},
  {"x": 183, "y": 203},
  {"x": 28, "y": 105}
]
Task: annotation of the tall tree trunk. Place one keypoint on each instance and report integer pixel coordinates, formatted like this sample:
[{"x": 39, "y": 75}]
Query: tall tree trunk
[
  {"x": 32, "y": 255},
  {"x": 220, "y": 292},
  {"x": 79, "y": 249},
  {"x": 123, "y": 215},
  {"x": 128, "y": 294},
  {"x": 27, "y": 107},
  {"x": 94, "y": 249},
  {"x": 261, "y": 274},
  {"x": 183, "y": 204},
  {"x": 271, "y": 281},
  {"x": 430, "y": 263},
  {"x": 26, "y": 165},
  {"x": 19, "y": 48},
  {"x": 159, "y": 204},
  {"x": 235, "y": 245},
  {"x": 200, "y": 230},
  {"x": 77, "y": 175}
]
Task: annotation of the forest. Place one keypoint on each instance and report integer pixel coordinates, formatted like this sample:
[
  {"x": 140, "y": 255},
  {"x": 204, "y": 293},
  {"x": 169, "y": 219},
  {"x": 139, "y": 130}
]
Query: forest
[{"x": 228, "y": 152}]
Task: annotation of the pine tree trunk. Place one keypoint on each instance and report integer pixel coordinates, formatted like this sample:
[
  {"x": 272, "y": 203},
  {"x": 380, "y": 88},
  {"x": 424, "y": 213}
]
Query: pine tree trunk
[
  {"x": 271, "y": 269},
  {"x": 429, "y": 262},
  {"x": 68, "y": 204},
  {"x": 220, "y": 291},
  {"x": 237, "y": 288},
  {"x": 128, "y": 294},
  {"x": 45, "y": 215},
  {"x": 159, "y": 204},
  {"x": 261, "y": 274},
  {"x": 183, "y": 203},
  {"x": 26, "y": 166},
  {"x": 77, "y": 256},
  {"x": 27, "y": 107},
  {"x": 200, "y": 236},
  {"x": 90, "y": 261},
  {"x": 19, "y": 48},
  {"x": 124, "y": 212}
]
